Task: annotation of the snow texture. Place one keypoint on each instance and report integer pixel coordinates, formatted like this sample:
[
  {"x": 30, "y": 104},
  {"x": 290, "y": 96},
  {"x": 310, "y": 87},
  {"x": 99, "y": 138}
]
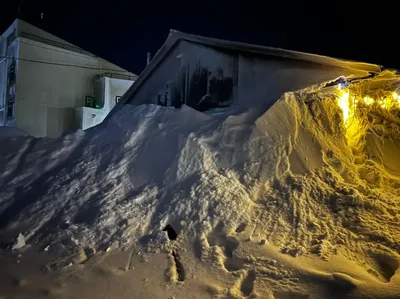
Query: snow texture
[
  {"x": 291, "y": 174},
  {"x": 11, "y": 132}
]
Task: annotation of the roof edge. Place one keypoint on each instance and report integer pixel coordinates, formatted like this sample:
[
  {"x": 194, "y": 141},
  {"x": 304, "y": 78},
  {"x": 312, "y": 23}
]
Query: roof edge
[
  {"x": 160, "y": 55},
  {"x": 176, "y": 36},
  {"x": 278, "y": 52}
]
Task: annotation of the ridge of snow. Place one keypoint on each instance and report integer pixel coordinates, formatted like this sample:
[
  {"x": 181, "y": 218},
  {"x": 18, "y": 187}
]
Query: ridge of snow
[{"x": 298, "y": 186}]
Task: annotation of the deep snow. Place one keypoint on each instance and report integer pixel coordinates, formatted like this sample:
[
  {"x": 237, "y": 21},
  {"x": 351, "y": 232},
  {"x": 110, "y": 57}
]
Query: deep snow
[{"x": 309, "y": 179}]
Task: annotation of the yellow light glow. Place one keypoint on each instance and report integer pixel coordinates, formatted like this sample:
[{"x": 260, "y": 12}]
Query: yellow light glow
[
  {"x": 396, "y": 97},
  {"x": 344, "y": 104},
  {"x": 368, "y": 100},
  {"x": 386, "y": 103}
]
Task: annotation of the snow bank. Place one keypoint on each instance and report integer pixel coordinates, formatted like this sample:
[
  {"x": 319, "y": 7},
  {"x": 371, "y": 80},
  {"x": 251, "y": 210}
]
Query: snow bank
[
  {"x": 293, "y": 176},
  {"x": 11, "y": 132},
  {"x": 146, "y": 167}
]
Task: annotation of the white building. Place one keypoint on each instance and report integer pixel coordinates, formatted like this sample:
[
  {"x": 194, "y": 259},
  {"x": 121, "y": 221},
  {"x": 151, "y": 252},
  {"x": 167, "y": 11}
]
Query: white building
[{"x": 45, "y": 82}]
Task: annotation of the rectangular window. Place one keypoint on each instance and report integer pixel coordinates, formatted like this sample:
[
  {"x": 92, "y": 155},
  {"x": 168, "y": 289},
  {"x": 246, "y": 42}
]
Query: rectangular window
[
  {"x": 90, "y": 101},
  {"x": 11, "y": 37},
  {"x": 2, "y": 100},
  {"x": 10, "y": 109},
  {"x": 11, "y": 74}
]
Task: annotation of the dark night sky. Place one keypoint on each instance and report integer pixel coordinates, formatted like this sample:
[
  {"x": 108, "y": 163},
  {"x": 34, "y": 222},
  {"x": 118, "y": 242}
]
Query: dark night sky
[{"x": 122, "y": 31}]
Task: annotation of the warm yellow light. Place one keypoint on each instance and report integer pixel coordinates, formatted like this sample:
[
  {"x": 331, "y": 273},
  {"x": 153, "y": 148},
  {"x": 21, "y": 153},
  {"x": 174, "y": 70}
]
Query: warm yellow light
[
  {"x": 396, "y": 97},
  {"x": 386, "y": 103},
  {"x": 344, "y": 104},
  {"x": 368, "y": 100}
]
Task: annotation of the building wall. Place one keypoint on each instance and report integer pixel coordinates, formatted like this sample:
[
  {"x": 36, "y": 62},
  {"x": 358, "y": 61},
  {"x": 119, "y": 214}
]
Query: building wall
[
  {"x": 23, "y": 26},
  {"x": 2, "y": 89},
  {"x": 185, "y": 75},
  {"x": 8, "y": 48},
  {"x": 47, "y": 90},
  {"x": 193, "y": 71},
  {"x": 106, "y": 90},
  {"x": 8, "y": 87},
  {"x": 89, "y": 117},
  {"x": 263, "y": 80},
  {"x": 118, "y": 87}
]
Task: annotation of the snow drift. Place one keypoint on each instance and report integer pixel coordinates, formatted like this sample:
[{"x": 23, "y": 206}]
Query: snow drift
[{"x": 299, "y": 175}]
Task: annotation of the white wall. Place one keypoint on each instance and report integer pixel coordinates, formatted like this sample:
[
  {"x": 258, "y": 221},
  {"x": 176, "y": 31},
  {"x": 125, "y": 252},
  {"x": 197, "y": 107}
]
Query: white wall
[
  {"x": 106, "y": 89},
  {"x": 118, "y": 87},
  {"x": 43, "y": 85},
  {"x": 89, "y": 117},
  {"x": 47, "y": 92}
]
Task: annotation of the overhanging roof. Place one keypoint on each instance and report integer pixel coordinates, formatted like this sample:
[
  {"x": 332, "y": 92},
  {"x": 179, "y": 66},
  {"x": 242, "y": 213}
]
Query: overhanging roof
[{"x": 175, "y": 37}]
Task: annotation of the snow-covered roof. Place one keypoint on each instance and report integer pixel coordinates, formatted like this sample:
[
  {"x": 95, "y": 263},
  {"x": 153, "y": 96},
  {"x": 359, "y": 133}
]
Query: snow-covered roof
[
  {"x": 277, "y": 52},
  {"x": 175, "y": 37}
]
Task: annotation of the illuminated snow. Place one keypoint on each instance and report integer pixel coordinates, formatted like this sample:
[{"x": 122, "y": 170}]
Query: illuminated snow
[{"x": 324, "y": 183}]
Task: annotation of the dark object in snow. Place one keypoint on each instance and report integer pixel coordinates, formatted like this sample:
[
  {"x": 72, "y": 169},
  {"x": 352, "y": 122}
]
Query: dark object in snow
[{"x": 172, "y": 235}]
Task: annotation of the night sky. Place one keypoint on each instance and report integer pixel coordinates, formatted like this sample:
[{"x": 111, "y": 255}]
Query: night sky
[{"x": 122, "y": 31}]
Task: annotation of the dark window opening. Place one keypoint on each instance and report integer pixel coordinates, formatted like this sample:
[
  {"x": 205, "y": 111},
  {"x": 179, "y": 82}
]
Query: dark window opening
[
  {"x": 90, "y": 102},
  {"x": 10, "y": 109},
  {"x": 11, "y": 74}
]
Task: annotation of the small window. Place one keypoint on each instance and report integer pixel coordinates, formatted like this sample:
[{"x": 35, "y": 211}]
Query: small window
[
  {"x": 90, "y": 102},
  {"x": 11, "y": 74},
  {"x": 10, "y": 109},
  {"x": 117, "y": 98},
  {"x": 2, "y": 102},
  {"x": 11, "y": 37}
]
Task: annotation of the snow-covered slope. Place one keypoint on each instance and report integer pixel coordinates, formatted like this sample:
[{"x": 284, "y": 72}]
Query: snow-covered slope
[
  {"x": 300, "y": 176},
  {"x": 11, "y": 132}
]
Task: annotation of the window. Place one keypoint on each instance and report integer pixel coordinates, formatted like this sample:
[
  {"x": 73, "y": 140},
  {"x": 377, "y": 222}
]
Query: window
[
  {"x": 117, "y": 98},
  {"x": 11, "y": 37},
  {"x": 2, "y": 100},
  {"x": 10, "y": 109},
  {"x": 11, "y": 74},
  {"x": 90, "y": 102}
]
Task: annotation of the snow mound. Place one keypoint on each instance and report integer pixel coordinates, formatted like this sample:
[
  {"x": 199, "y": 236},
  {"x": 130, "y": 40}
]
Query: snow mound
[
  {"x": 293, "y": 176},
  {"x": 11, "y": 132},
  {"x": 147, "y": 166}
]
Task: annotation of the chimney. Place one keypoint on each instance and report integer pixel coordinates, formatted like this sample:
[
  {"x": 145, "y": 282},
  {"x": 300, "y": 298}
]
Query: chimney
[{"x": 148, "y": 58}]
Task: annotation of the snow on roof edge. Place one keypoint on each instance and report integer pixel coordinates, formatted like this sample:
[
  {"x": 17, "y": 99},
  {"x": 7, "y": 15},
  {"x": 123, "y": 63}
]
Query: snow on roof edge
[
  {"x": 175, "y": 36},
  {"x": 278, "y": 52}
]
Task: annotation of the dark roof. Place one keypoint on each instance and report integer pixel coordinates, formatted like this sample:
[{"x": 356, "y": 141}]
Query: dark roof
[{"x": 175, "y": 37}]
